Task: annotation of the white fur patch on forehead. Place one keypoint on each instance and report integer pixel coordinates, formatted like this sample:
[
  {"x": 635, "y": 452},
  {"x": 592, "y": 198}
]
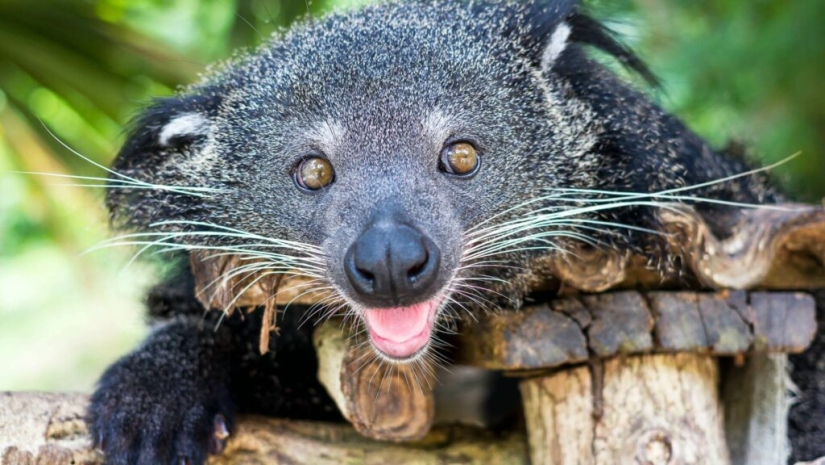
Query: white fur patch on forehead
[
  {"x": 555, "y": 46},
  {"x": 437, "y": 125},
  {"x": 327, "y": 135},
  {"x": 189, "y": 124}
]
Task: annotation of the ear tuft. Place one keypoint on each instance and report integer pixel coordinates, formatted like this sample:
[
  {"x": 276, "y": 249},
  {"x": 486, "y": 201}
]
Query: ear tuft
[
  {"x": 588, "y": 31},
  {"x": 183, "y": 127},
  {"x": 168, "y": 124},
  {"x": 555, "y": 46}
]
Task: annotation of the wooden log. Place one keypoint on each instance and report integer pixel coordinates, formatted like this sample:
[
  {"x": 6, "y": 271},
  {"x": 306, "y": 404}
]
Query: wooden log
[
  {"x": 37, "y": 428},
  {"x": 653, "y": 409},
  {"x": 558, "y": 412},
  {"x": 572, "y": 330},
  {"x": 384, "y": 401}
]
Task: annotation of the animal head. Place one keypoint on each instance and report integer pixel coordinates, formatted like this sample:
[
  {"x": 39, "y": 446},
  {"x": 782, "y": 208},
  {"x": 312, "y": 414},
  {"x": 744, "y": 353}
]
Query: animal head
[{"x": 389, "y": 154}]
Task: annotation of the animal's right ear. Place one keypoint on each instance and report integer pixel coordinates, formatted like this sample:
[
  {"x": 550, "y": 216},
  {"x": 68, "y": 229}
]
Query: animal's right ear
[{"x": 169, "y": 125}]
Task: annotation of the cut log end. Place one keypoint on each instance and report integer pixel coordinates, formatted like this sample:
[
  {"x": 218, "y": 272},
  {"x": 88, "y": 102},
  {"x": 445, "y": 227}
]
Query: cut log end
[{"x": 384, "y": 401}]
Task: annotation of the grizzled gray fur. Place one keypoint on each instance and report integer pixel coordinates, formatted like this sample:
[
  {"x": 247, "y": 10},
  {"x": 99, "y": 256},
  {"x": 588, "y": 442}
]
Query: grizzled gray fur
[{"x": 379, "y": 94}]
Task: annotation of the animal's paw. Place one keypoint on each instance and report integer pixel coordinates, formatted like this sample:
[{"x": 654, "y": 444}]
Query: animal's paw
[{"x": 154, "y": 422}]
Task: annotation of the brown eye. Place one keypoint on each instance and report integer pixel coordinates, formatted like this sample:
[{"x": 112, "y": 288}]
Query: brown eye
[
  {"x": 314, "y": 173},
  {"x": 460, "y": 159}
]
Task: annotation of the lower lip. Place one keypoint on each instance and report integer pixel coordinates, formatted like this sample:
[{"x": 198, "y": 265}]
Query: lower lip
[{"x": 402, "y": 333}]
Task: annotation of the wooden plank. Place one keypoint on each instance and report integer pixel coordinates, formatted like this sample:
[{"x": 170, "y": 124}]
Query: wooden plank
[
  {"x": 679, "y": 326},
  {"x": 558, "y": 410},
  {"x": 574, "y": 329},
  {"x": 727, "y": 333},
  {"x": 621, "y": 324},
  {"x": 783, "y": 322},
  {"x": 533, "y": 337}
]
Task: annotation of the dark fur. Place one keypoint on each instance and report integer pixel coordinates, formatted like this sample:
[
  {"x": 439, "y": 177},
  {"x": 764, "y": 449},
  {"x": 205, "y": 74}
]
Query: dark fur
[{"x": 376, "y": 75}]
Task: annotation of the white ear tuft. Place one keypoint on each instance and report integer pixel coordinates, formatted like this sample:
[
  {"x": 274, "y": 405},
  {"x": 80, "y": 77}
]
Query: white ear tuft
[
  {"x": 555, "y": 46},
  {"x": 184, "y": 125}
]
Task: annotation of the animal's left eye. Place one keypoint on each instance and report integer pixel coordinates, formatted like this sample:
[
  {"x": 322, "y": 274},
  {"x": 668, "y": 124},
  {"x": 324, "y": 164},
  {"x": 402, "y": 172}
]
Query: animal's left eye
[
  {"x": 460, "y": 159},
  {"x": 314, "y": 173}
]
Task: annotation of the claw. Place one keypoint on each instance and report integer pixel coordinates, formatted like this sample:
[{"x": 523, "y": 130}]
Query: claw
[
  {"x": 221, "y": 431},
  {"x": 217, "y": 442}
]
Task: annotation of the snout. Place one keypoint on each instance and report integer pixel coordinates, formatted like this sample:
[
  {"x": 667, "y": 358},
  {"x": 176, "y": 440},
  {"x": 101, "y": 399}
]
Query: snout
[
  {"x": 393, "y": 268},
  {"x": 392, "y": 264}
]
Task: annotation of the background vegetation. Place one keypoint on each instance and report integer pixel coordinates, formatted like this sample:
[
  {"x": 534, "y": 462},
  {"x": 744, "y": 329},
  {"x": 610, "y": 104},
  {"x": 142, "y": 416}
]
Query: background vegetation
[{"x": 76, "y": 70}]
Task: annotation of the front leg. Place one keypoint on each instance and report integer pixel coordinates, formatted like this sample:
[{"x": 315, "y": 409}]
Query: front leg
[{"x": 168, "y": 402}]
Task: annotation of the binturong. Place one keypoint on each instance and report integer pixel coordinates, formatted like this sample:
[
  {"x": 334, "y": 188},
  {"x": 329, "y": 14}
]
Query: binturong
[{"x": 416, "y": 161}]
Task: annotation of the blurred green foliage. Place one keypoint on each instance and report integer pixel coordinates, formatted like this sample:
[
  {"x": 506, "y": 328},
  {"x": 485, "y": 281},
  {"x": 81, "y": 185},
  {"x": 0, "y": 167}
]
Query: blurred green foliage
[{"x": 74, "y": 71}]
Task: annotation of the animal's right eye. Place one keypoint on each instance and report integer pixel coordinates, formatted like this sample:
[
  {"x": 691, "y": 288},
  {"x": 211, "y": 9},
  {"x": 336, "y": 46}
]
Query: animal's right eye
[
  {"x": 460, "y": 159},
  {"x": 314, "y": 173}
]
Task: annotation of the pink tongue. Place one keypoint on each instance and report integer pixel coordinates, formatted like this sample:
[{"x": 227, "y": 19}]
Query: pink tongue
[{"x": 402, "y": 331}]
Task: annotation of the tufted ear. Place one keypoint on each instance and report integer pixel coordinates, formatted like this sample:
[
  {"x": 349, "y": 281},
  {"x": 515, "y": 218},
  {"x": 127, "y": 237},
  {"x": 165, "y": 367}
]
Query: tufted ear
[
  {"x": 553, "y": 26},
  {"x": 163, "y": 156},
  {"x": 539, "y": 27},
  {"x": 587, "y": 31},
  {"x": 555, "y": 45},
  {"x": 169, "y": 125}
]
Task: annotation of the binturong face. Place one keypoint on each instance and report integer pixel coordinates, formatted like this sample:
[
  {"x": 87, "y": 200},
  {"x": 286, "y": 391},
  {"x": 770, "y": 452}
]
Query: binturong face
[{"x": 380, "y": 153}]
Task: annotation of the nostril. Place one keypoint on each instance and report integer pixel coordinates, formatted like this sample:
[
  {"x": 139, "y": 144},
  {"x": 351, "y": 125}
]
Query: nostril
[
  {"x": 366, "y": 274},
  {"x": 362, "y": 278},
  {"x": 415, "y": 272}
]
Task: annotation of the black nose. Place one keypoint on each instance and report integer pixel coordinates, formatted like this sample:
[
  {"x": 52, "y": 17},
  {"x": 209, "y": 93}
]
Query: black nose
[{"x": 392, "y": 264}]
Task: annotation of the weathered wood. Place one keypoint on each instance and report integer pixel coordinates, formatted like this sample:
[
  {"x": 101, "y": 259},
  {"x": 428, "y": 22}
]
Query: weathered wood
[
  {"x": 621, "y": 324},
  {"x": 655, "y": 409},
  {"x": 558, "y": 411},
  {"x": 383, "y": 401},
  {"x": 49, "y": 429},
  {"x": 572, "y": 330},
  {"x": 533, "y": 337},
  {"x": 783, "y": 321},
  {"x": 756, "y": 402},
  {"x": 44, "y": 429},
  {"x": 726, "y": 331},
  {"x": 679, "y": 325}
]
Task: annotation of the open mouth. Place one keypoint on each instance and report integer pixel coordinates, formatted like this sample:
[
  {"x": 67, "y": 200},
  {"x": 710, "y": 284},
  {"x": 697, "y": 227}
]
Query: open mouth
[{"x": 402, "y": 332}]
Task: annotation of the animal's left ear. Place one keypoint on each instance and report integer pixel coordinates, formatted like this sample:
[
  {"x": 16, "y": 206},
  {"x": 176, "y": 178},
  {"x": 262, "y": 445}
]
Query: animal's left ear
[
  {"x": 543, "y": 29},
  {"x": 555, "y": 26}
]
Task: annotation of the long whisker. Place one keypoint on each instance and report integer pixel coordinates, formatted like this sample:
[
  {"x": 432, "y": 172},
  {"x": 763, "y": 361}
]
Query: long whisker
[{"x": 665, "y": 194}]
